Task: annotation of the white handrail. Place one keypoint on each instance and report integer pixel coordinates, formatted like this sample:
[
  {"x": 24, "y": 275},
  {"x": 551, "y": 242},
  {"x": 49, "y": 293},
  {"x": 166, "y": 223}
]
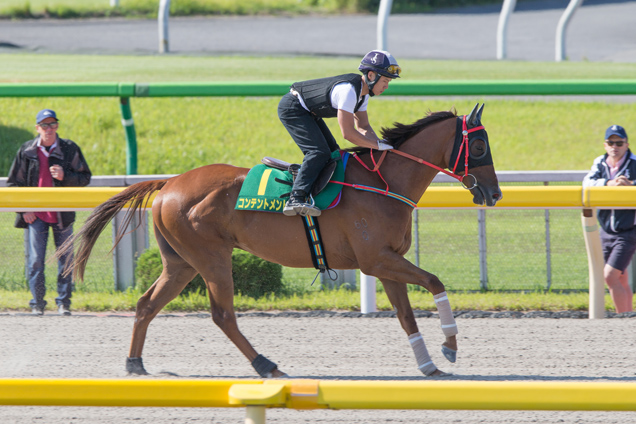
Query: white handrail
[
  {"x": 164, "y": 15},
  {"x": 502, "y": 28},
  {"x": 383, "y": 16},
  {"x": 559, "y": 54}
]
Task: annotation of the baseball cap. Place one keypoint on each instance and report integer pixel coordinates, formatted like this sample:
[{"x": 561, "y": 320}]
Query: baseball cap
[
  {"x": 615, "y": 130},
  {"x": 45, "y": 113}
]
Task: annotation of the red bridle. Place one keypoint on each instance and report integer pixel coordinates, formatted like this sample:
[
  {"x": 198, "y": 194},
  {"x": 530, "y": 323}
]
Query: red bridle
[{"x": 460, "y": 178}]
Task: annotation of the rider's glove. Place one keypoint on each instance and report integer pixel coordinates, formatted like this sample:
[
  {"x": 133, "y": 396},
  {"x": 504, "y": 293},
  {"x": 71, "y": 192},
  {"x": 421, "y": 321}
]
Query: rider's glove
[{"x": 384, "y": 146}]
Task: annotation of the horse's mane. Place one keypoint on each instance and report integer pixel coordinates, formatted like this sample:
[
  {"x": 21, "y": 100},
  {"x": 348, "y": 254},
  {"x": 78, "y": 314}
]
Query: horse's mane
[{"x": 400, "y": 132}]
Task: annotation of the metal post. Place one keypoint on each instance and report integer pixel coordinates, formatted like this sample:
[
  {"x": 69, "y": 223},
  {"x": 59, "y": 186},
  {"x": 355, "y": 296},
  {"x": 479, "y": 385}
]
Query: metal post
[
  {"x": 595, "y": 263},
  {"x": 367, "y": 293},
  {"x": 502, "y": 28},
  {"x": 131, "y": 136},
  {"x": 548, "y": 250},
  {"x": 130, "y": 247},
  {"x": 164, "y": 15},
  {"x": 559, "y": 54},
  {"x": 483, "y": 255},
  {"x": 255, "y": 414},
  {"x": 383, "y": 16}
]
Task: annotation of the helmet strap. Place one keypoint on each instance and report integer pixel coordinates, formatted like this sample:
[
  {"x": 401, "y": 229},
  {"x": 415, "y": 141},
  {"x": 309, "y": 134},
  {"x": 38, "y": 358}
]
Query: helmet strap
[{"x": 371, "y": 84}]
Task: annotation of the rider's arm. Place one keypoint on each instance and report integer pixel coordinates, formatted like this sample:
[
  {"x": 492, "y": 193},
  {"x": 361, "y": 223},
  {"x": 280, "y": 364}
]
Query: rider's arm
[{"x": 363, "y": 135}]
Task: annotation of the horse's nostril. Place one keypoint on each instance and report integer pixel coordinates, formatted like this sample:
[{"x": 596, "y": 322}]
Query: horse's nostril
[{"x": 496, "y": 196}]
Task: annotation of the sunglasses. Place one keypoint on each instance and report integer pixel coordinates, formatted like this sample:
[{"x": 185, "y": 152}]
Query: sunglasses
[
  {"x": 394, "y": 69},
  {"x": 615, "y": 143},
  {"x": 52, "y": 125}
]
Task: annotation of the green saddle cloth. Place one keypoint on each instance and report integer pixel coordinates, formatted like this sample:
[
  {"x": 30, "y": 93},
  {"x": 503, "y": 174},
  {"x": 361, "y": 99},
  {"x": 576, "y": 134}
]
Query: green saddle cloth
[{"x": 262, "y": 192}]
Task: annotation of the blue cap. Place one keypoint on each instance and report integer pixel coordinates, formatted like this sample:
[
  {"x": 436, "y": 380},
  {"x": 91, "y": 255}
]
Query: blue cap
[
  {"x": 45, "y": 113},
  {"x": 615, "y": 130}
]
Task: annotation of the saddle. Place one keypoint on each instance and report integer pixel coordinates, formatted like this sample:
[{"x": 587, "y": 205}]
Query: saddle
[{"x": 321, "y": 182}]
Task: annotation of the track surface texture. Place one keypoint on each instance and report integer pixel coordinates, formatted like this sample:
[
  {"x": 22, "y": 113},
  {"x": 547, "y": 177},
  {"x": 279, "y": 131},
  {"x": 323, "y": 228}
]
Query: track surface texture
[{"x": 316, "y": 346}]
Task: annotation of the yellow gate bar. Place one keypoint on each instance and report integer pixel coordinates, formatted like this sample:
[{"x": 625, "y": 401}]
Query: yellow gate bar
[
  {"x": 481, "y": 395},
  {"x": 513, "y": 197},
  {"x": 614, "y": 197},
  {"x": 122, "y": 392}
]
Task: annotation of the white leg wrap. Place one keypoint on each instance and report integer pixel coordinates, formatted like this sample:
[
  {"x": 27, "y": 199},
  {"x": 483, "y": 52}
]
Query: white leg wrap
[
  {"x": 424, "y": 361},
  {"x": 446, "y": 318}
]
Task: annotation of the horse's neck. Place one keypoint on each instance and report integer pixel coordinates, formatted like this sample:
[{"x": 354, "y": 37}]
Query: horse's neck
[{"x": 434, "y": 145}]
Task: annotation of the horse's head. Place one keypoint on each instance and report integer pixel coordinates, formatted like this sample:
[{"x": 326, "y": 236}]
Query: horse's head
[{"x": 471, "y": 158}]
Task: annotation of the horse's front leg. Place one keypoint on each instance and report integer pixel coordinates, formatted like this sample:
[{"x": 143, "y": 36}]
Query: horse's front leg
[
  {"x": 393, "y": 267},
  {"x": 398, "y": 296}
]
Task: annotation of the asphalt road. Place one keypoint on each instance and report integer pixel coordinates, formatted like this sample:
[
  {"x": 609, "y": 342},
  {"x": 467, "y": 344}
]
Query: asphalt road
[{"x": 601, "y": 30}]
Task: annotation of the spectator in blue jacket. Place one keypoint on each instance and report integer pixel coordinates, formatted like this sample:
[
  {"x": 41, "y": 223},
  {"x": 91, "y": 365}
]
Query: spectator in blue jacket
[{"x": 618, "y": 231}]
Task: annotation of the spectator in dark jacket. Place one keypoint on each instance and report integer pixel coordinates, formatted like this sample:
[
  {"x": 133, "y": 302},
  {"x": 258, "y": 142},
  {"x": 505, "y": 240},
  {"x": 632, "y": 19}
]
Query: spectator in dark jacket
[
  {"x": 48, "y": 161},
  {"x": 618, "y": 232}
]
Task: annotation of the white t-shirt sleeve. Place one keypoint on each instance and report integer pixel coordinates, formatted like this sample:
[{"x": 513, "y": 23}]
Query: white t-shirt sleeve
[{"x": 343, "y": 97}]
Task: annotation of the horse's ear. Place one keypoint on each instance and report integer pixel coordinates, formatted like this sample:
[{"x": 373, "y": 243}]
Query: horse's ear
[
  {"x": 479, "y": 112},
  {"x": 472, "y": 118}
]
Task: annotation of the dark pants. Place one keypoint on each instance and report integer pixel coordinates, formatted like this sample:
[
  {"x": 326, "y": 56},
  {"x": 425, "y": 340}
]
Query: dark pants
[
  {"x": 313, "y": 137},
  {"x": 38, "y": 235},
  {"x": 619, "y": 248}
]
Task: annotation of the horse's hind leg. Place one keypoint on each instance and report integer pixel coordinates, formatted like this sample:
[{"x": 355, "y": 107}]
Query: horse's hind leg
[
  {"x": 175, "y": 276},
  {"x": 398, "y": 296},
  {"x": 218, "y": 278}
]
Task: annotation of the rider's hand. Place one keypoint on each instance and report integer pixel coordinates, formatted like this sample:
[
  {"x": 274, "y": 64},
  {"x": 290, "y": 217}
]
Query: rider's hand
[{"x": 384, "y": 146}]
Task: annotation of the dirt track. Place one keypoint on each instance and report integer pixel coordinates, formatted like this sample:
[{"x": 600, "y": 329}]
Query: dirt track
[{"x": 319, "y": 348}]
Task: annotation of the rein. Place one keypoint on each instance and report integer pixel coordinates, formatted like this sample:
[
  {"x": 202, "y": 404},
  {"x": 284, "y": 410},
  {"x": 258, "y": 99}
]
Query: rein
[{"x": 453, "y": 174}]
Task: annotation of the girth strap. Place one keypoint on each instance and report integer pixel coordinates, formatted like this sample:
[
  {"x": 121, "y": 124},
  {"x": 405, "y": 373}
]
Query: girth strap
[{"x": 314, "y": 239}]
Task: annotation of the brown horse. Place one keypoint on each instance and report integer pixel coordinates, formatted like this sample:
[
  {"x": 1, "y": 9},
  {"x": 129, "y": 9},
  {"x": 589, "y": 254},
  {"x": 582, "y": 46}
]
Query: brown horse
[{"x": 197, "y": 228}]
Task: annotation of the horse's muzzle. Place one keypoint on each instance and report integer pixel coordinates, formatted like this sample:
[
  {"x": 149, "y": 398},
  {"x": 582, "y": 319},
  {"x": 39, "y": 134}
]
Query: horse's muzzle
[{"x": 484, "y": 196}]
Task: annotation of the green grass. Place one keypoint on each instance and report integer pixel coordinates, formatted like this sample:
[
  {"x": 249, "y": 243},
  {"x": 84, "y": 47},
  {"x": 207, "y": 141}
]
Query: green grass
[
  {"x": 21, "y": 9},
  {"x": 319, "y": 300},
  {"x": 27, "y": 67}
]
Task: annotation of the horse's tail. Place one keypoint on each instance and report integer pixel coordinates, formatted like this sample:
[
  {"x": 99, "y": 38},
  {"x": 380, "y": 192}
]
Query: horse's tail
[{"x": 137, "y": 195}]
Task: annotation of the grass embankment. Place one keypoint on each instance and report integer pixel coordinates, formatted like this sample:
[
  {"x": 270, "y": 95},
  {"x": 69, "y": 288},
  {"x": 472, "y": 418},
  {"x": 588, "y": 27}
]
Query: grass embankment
[
  {"x": 178, "y": 134},
  {"x": 61, "y": 9}
]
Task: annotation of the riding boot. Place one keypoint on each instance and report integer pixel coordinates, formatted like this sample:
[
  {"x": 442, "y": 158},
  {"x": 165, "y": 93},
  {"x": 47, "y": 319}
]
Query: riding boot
[{"x": 298, "y": 205}]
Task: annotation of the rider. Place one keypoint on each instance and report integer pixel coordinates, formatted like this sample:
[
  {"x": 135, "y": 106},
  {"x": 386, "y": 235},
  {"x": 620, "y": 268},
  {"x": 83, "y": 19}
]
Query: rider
[{"x": 344, "y": 96}]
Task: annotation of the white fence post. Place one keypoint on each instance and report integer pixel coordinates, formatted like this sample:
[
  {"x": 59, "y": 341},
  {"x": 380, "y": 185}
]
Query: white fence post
[
  {"x": 114, "y": 3},
  {"x": 367, "y": 294},
  {"x": 132, "y": 244},
  {"x": 595, "y": 263},
  {"x": 502, "y": 28},
  {"x": 383, "y": 16},
  {"x": 562, "y": 26},
  {"x": 164, "y": 15}
]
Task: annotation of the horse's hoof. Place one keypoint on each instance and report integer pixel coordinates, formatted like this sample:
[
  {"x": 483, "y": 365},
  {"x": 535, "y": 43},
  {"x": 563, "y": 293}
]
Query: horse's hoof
[
  {"x": 135, "y": 366},
  {"x": 449, "y": 353}
]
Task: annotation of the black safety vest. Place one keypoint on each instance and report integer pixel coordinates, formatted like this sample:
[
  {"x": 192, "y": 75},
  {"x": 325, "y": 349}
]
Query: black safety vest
[{"x": 317, "y": 93}]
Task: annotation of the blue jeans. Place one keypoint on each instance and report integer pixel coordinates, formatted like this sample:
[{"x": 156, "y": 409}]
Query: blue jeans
[{"x": 38, "y": 236}]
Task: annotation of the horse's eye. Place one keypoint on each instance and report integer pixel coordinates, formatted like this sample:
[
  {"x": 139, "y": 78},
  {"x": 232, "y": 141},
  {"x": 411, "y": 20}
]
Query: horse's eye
[{"x": 478, "y": 148}]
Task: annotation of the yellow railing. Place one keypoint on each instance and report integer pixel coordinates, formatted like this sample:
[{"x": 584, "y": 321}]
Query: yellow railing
[
  {"x": 257, "y": 395},
  {"x": 543, "y": 197}
]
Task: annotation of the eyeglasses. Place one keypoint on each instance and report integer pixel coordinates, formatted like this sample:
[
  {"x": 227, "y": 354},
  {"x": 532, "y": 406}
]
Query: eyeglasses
[
  {"x": 615, "y": 143},
  {"x": 394, "y": 69},
  {"x": 52, "y": 125}
]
